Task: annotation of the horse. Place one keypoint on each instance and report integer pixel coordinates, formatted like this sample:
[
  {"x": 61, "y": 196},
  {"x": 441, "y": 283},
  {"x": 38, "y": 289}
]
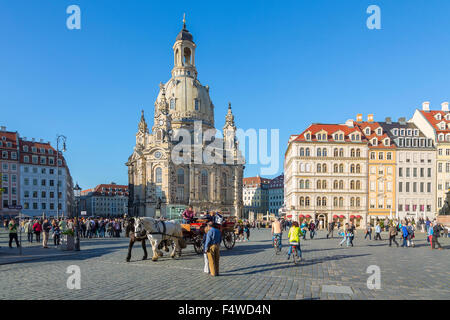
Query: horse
[
  {"x": 129, "y": 226},
  {"x": 158, "y": 231}
]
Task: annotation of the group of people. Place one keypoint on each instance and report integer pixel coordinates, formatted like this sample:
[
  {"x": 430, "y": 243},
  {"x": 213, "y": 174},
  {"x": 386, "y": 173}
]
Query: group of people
[{"x": 42, "y": 228}]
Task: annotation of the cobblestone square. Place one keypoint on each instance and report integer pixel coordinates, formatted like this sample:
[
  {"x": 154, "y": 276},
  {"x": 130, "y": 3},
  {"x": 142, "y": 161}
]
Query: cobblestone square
[{"x": 249, "y": 271}]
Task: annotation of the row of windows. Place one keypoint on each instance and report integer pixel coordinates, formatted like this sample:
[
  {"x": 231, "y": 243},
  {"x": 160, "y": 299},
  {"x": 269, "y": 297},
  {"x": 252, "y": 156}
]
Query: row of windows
[
  {"x": 418, "y": 172},
  {"x": 173, "y": 104},
  {"x": 442, "y": 137},
  {"x": 51, "y": 183},
  {"x": 380, "y": 156},
  {"x": 414, "y": 142},
  {"x": 405, "y": 132},
  {"x": 13, "y": 155},
  {"x": 337, "y": 137},
  {"x": 414, "y": 208},
  {"x": 322, "y": 152},
  {"x": 43, "y": 160},
  {"x": 42, "y": 171},
  {"x": 337, "y": 202},
  {"x": 447, "y": 152},
  {"x": 323, "y": 168},
  {"x": 13, "y": 166},
  {"x": 416, "y": 187},
  {"x": 43, "y": 194},
  {"x": 337, "y": 185},
  {"x": 34, "y": 150},
  {"x": 44, "y": 206}
]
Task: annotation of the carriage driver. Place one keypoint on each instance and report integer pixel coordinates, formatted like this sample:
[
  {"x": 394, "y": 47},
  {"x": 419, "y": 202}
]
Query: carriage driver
[{"x": 188, "y": 215}]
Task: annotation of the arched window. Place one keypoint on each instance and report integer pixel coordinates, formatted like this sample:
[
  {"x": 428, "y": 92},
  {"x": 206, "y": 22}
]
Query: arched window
[
  {"x": 341, "y": 152},
  {"x": 319, "y": 184},
  {"x": 307, "y": 202},
  {"x": 358, "y": 202},
  {"x": 307, "y": 184},
  {"x": 358, "y": 185},
  {"x": 319, "y": 167},
  {"x": 352, "y": 168},
  {"x": 307, "y": 152},
  {"x": 341, "y": 168},
  {"x": 324, "y": 152},
  {"x": 180, "y": 176},
  {"x": 352, "y": 153},
  {"x": 187, "y": 57},
  {"x": 352, "y": 202},
  {"x": 358, "y": 168},
  {"x": 302, "y": 202},
  {"x": 341, "y": 202},
  {"x": 335, "y": 184},
  {"x": 335, "y": 202},
  {"x": 204, "y": 183},
  {"x": 302, "y": 184},
  {"x": 324, "y": 201},
  {"x": 324, "y": 184},
  {"x": 158, "y": 175},
  {"x": 302, "y": 152},
  {"x": 324, "y": 168},
  {"x": 336, "y": 152},
  {"x": 341, "y": 185},
  {"x": 352, "y": 185},
  {"x": 335, "y": 168},
  {"x": 302, "y": 167},
  {"x": 358, "y": 153},
  {"x": 319, "y": 201},
  {"x": 319, "y": 152}
]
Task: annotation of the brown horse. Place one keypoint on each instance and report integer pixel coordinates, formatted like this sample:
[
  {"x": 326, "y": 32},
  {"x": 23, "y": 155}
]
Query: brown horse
[{"x": 129, "y": 232}]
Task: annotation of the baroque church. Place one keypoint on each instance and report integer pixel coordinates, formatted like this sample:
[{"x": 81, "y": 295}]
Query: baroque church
[{"x": 163, "y": 178}]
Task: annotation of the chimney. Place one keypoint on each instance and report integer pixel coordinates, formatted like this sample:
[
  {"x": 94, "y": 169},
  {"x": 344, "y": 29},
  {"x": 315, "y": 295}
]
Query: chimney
[
  {"x": 2, "y": 128},
  {"x": 41, "y": 140},
  {"x": 426, "y": 106},
  {"x": 402, "y": 120},
  {"x": 444, "y": 106},
  {"x": 359, "y": 117},
  {"x": 388, "y": 120},
  {"x": 32, "y": 139},
  {"x": 349, "y": 123},
  {"x": 370, "y": 118}
]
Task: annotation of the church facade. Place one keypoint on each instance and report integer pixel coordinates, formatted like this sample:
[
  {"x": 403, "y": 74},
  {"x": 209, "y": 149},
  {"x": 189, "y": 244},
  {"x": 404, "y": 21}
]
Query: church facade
[{"x": 181, "y": 162}]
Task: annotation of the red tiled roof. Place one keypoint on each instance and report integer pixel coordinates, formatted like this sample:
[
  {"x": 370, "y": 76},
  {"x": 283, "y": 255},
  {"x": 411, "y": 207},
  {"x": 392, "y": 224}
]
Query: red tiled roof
[
  {"x": 373, "y": 127},
  {"x": 330, "y": 129},
  {"x": 255, "y": 180},
  {"x": 99, "y": 189},
  {"x": 430, "y": 116},
  {"x": 39, "y": 146},
  {"x": 277, "y": 182},
  {"x": 9, "y": 137}
]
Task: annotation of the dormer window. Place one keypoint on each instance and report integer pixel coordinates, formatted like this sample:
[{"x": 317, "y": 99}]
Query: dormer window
[
  {"x": 308, "y": 136},
  {"x": 400, "y": 142},
  {"x": 374, "y": 141},
  {"x": 438, "y": 116},
  {"x": 395, "y": 132},
  {"x": 386, "y": 142},
  {"x": 379, "y": 131},
  {"x": 441, "y": 137},
  {"x": 368, "y": 131},
  {"x": 416, "y": 132},
  {"x": 447, "y": 116},
  {"x": 402, "y": 132},
  {"x": 409, "y": 132}
]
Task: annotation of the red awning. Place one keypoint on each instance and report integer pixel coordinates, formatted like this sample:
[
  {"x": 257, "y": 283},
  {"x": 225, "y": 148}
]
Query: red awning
[
  {"x": 352, "y": 217},
  {"x": 301, "y": 216},
  {"x": 335, "y": 216},
  {"x": 358, "y": 217},
  {"x": 308, "y": 216},
  {"x": 289, "y": 216},
  {"x": 341, "y": 216}
]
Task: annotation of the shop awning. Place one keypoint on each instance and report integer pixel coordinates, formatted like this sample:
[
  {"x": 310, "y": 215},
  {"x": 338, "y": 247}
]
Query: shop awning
[
  {"x": 352, "y": 217},
  {"x": 342, "y": 216},
  {"x": 358, "y": 217},
  {"x": 335, "y": 216},
  {"x": 308, "y": 216},
  {"x": 301, "y": 216}
]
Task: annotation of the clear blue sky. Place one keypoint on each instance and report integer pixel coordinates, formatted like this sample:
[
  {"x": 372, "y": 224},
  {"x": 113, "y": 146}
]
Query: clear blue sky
[{"x": 282, "y": 64}]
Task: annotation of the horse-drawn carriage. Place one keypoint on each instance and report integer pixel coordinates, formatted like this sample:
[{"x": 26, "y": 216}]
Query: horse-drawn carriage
[{"x": 193, "y": 233}]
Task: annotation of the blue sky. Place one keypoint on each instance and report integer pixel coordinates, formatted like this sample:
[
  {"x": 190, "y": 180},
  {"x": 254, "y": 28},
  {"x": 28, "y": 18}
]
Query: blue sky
[{"x": 282, "y": 64}]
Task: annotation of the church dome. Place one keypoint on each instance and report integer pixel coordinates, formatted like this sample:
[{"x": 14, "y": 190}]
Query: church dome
[
  {"x": 188, "y": 101},
  {"x": 185, "y": 35}
]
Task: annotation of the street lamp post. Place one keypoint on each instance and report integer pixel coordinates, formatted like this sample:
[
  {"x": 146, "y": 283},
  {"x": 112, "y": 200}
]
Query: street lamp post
[
  {"x": 63, "y": 139},
  {"x": 77, "y": 194}
]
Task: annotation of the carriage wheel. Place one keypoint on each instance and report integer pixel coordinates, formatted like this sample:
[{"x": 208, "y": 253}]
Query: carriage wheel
[
  {"x": 229, "y": 239},
  {"x": 198, "y": 245}
]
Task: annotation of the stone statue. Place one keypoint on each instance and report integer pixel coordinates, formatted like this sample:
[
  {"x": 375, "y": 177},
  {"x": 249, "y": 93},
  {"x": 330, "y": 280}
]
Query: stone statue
[{"x": 445, "y": 210}]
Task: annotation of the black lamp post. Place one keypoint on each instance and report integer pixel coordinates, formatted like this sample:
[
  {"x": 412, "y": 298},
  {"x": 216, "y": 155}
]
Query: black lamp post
[{"x": 77, "y": 193}]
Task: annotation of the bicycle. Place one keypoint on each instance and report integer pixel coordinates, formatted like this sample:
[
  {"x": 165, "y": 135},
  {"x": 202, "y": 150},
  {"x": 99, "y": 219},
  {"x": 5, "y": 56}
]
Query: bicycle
[
  {"x": 276, "y": 245},
  {"x": 295, "y": 257}
]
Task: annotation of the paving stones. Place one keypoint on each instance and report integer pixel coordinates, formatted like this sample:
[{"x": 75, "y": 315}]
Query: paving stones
[{"x": 249, "y": 271}]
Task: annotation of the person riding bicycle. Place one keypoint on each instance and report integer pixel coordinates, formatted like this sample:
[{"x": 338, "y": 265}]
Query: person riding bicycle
[
  {"x": 294, "y": 239},
  {"x": 277, "y": 231}
]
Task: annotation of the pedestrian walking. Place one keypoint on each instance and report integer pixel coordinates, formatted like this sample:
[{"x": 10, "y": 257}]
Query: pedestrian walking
[
  {"x": 212, "y": 248},
  {"x": 343, "y": 233},
  {"x": 411, "y": 236},
  {"x": 350, "y": 234},
  {"x": 392, "y": 234},
  {"x": 29, "y": 230},
  {"x": 46, "y": 227},
  {"x": 12, "y": 227},
  {"x": 37, "y": 228},
  {"x": 304, "y": 228},
  {"x": 377, "y": 231},
  {"x": 205, "y": 255},
  {"x": 404, "y": 236},
  {"x": 330, "y": 229},
  {"x": 368, "y": 232},
  {"x": 312, "y": 230},
  {"x": 436, "y": 234}
]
